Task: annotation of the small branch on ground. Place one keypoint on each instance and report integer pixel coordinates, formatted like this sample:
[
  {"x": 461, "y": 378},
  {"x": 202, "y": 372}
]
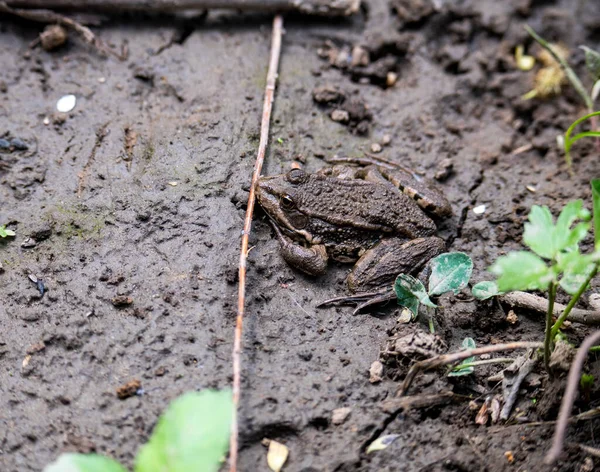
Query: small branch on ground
[
  {"x": 50, "y": 17},
  {"x": 592, "y": 451},
  {"x": 539, "y": 304},
  {"x": 309, "y": 7},
  {"x": 569, "y": 397},
  {"x": 262, "y": 146},
  {"x": 523, "y": 365},
  {"x": 446, "y": 359}
]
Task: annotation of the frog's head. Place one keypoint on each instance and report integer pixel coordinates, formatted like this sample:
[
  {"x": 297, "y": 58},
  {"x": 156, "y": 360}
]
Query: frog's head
[{"x": 279, "y": 196}]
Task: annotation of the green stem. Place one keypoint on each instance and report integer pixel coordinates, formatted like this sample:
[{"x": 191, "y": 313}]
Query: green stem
[
  {"x": 577, "y": 85},
  {"x": 500, "y": 360},
  {"x": 569, "y": 141},
  {"x": 548, "y": 337},
  {"x": 561, "y": 319},
  {"x": 595, "y": 349}
]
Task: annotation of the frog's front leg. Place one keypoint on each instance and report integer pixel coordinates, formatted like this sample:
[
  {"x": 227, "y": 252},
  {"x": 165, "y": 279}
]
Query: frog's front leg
[
  {"x": 380, "y": 265},
  {"x": 311, "y": 260}
]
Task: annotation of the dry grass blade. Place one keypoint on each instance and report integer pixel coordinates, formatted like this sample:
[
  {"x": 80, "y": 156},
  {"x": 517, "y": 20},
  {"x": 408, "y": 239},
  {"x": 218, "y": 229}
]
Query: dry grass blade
[{"x": 262, "y": 146}]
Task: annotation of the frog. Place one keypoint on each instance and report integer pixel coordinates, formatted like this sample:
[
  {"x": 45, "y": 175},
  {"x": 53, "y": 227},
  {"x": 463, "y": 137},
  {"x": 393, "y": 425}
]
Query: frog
[{"x": 378, "y": 217}]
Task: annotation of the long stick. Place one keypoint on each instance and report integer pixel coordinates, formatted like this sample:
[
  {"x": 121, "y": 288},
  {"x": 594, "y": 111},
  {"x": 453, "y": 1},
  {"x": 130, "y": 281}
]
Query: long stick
[
  {"x": 569, "y": 397},
  {"x": 309, "y": 7},
  {"x": 262, "y": 146}
]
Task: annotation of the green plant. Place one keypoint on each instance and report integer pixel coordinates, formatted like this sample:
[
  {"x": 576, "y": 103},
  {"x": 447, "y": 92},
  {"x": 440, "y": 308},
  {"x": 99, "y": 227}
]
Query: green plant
[
  {"x": 554, "y": 259},
  {"x": 450, "y": 272},
  {"x": 192, "y": 434},
  {"x": 592, "y": 60},
  {"x": 568, "y": 141},
  {"x": 4, "y": 233},
  {"x": 465, "y": 367}
]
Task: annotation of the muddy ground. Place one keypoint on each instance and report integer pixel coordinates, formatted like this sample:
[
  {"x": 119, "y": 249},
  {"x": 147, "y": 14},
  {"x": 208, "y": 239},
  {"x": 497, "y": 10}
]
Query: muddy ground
[{"x": 136, "y": 198}]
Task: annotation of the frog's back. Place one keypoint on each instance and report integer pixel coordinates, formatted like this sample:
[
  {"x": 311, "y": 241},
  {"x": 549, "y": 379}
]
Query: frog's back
[{"x": 366, "y": 206}]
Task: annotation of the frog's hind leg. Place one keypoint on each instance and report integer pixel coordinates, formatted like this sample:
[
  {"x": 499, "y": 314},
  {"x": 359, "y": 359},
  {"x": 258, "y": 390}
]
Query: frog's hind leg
[{"x": 379, "y": 266}]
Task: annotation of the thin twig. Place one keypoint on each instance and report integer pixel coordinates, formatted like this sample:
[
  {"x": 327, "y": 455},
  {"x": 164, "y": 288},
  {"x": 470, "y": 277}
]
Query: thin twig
[
  {"x": 262, "y": 146},
  {"x": 592, "y": 451},
  {"x": 445, "y": 359},
  {"x": 310, "y": 7},
  {"x": 569, "y": 397},
  {"x": 539, "y": 304},
  {"x": 50, "y": 17}
]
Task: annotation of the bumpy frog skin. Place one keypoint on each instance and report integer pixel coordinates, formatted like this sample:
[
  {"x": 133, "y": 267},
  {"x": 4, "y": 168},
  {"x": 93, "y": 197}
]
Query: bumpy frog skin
[{"x": 349, "y": 214}]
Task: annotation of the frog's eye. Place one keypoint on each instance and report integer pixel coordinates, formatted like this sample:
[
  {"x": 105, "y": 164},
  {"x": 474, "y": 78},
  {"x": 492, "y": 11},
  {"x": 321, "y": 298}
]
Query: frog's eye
[
  {"x": 287, "y": 203},
  {"x": 296, "y": 176}
]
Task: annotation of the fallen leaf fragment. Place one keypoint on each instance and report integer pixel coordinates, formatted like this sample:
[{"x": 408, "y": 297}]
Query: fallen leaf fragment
[
  {"x": 382, "y": 442},
  {"x": 277, "y": 455}
]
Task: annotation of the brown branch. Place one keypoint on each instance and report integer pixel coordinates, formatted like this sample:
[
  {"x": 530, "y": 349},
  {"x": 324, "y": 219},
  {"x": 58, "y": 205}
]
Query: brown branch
[
  {"x": 50, "y": 17},
  {"x": 309, "y": 7},
  {"x": 539, "y": 304},
  {"x": 445, "y": 359},
  {"x": 569, "y": 397},
  {"x": 262, "y": 146}
]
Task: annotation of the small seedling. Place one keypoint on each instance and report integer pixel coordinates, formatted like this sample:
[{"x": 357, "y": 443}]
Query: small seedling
[
  {"x": 555, "y": 259},
  {"x": 192, "y": 434},
  {"x": 450, "y": 272},
  {"x": 486, "y": 289},
  {"x": 465, "y": 367},
  {"x": 5, "y": 233},
  {"x": 567, "y": 141},
  {"x": 592, "y": 60}
]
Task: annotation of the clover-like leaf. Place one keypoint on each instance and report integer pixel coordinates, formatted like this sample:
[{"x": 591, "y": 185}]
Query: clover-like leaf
[
  {"x": 4, "y": 233},
  {"x": 521, "y": 270},
  {"x": 410, "y": 292},
  {"x": 84, "y": 463},
  {"x": 592, "y": 61},
  {"x": 192, "y": 434},
  {"x": 450, "y": 272},
  {"x": 461, "y": 369},
  {"x": 382, "y": 442},
  {"x": 486, "y": 289},
  {"x": 576, "y": 268}
]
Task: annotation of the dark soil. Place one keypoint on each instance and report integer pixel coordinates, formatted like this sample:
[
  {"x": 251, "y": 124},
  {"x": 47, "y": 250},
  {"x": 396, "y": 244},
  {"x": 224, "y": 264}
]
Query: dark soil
[{"x": 134, "y": 202}]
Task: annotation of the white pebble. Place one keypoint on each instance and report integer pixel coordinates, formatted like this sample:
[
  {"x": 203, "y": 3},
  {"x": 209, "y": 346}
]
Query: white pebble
[
  {"x": 479, "y": 210},
  {"x": 66, "y": 103}
]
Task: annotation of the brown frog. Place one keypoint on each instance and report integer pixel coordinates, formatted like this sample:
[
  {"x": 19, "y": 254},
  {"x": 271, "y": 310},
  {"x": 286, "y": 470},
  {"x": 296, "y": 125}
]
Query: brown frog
[{"x": 374, "y": 216}]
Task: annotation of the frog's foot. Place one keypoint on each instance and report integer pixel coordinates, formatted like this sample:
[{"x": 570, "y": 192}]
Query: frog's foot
[
  {"x": 361, "y": 300},
  {"x": 379, "y": 266},
  {"x": 311, "y": 260}
]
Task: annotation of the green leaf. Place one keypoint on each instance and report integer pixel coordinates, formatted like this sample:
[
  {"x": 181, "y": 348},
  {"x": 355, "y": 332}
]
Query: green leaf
[
  {"x": 485, "y": 290},
  {"x": 410, "y": 292},
  {"x": 521, "y": 270},
  {"x": 458, "y": 371},
  {"x": 5, "y": 232},
  {"x": 546, "y": 239},
  {"x": 592, "y": 61},
  {"x": 596, "y": 202},
  {"x": 84, "y": 463},
  {"x": 538, "y": 232},
  {"x": 450, "y": 271},
  {"x": 576, "y": 268},
  {"x": 192, "y": 434},
  {"x": 382, "y": 442}
]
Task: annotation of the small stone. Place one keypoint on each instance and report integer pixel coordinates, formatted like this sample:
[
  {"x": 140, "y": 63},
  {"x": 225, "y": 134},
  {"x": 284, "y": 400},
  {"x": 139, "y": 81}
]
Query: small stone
[
  {"x": 29, "y": 243},
  {"x": 121, "y": 301},
  {"x": 391, "y": 78},
  {"x": 360, "y": 57},
  {"x": 445, "y": 168},
  {"x": 386, "y": 140},
  {"x": 327, "y": 94},
  {"x": 376, "y": 372},
  {"x": 376, "y": 148},
  {"x": 66, "y": 103},
  {"x": 129, "y": 389},
  {"x": 340, "y": 415},
  {"x": 59, "y": 118},
  {"x": 53, "y": 37},
  {"x": 101, "y": 80},
  {"x": 479, "y": 210},
  {"x": 512, "y": 317},
  {"x": 4, "y": 144},
  {"x": 46, "y": 121},
  {"x": 19, "y": 144},
  {"x": 340, "y": 116}
]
